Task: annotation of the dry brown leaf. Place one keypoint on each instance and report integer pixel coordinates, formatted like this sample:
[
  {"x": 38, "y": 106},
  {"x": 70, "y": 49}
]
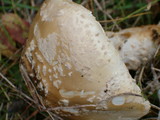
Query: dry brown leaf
[{"x": 13, "y": 31}]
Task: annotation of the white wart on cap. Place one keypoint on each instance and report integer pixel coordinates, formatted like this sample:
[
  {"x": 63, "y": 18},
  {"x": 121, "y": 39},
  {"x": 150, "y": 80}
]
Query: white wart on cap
[{"x": 73, "y": 66}]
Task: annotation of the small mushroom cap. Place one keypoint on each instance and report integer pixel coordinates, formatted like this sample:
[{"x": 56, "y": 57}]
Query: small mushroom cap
[
  {"x": 74, "y": 68},
  {"x": 136, "y": 45}
]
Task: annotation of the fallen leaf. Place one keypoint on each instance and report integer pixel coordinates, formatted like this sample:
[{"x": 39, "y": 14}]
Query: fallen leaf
[
  {"x": 13, "y": 31},
  {"x": 16, "y": 27}
]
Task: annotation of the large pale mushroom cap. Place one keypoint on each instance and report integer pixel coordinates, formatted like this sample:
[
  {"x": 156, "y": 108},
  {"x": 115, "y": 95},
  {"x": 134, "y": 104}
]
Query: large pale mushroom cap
[{"x": 73, "y": 66}]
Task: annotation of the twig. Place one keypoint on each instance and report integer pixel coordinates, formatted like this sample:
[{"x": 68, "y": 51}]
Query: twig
[
  {"x": 32, "y": 115},
  {"x": 101, "y": 9},
  {"x": 140, "y": 76},
  {"x": 10, "y": 58},
  {"x": 157, "y": 51},
  {"x": 155, "y": 77},
  {"x": 16, "y": 90},
  {"x": 8, "y": 98},
  {"x": 120, "y": 19},
  {"x": 156, "y": 69},
  {"x": 155, "y": 107},
  {"x": 36, "y": 96},
  {"x": 135, "y": 12},
  {"x": 7, "y": 80}
]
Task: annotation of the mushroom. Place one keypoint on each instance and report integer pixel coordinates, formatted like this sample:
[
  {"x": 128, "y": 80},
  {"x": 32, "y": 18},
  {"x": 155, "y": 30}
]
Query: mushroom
[
  {"x": 75, "y": 69},
  {"x": 136, "y": 45}
]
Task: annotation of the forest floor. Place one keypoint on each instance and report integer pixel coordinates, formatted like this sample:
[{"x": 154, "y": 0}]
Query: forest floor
[{"x": 114, "y": 15}]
